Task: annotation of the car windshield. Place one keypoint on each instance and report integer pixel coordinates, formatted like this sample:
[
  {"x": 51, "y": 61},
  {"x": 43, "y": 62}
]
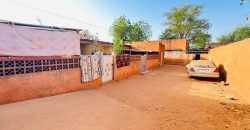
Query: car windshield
[{"x": 203, "y": 63}]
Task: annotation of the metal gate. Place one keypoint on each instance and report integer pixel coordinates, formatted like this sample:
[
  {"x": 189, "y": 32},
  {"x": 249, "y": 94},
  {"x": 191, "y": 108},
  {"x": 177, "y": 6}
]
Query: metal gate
[{"x": 107, "y": 68}]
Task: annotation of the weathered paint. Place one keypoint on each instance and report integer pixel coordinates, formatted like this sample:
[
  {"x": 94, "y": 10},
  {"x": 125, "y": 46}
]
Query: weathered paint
[
  {"x": 234, "y": 58},
  {"x": 36, "y": 85}
]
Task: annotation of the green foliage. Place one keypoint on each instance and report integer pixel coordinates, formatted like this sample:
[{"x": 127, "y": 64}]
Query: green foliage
[
  {"x": 124, "y": 32},
  {"x": 120, "y": 31},
  {"x": 167, "y": 34},
  {"x": 200, "y": 39},
  {"x": 184, "y": 23},
  {"x": 238, "y": 34},
  {"x": 117, "y": 45},
  {"x": 140, "y": 31}
]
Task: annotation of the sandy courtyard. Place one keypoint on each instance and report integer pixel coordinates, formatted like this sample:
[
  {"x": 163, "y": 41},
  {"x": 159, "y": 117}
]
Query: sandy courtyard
[{"x": 164, "y": 99}]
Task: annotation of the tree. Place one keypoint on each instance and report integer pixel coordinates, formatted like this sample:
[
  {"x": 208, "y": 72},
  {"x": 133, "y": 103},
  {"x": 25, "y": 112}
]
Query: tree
[
  {"x": 140, "y": 31},
  {"x": 184, "y": 23},
  {"x": 167, "y": 34},
  {"x": 124, "y": 32},
  {"x": 200, "y": 39},
  {"x": 238, "y": 34},
  {"x": 120, "y": 30}
]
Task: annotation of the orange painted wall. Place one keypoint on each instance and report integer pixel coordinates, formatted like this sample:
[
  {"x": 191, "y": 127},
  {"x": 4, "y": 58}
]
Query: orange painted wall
[
  {"x": 235, "y": 59},
  {"x": 152, "y": 63},
  {"x": 162, "y": 45},
  {"x": 182, "y": 60},
  {"x": 180, "y": 44},
  {"x": 157, "y": 45},
  {"x": 175, "y": 44},
  {"x": 204, "y": 56},
  {"x": 36, "y": 85},
  {"x": 150, "y": 46},
  {"x": 146, "y": 45},
  {"x": 122, "y": 73},
  {"x": 134, "y": 68}
]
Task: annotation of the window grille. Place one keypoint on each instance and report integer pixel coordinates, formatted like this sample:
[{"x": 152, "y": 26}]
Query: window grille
[
  {"x": 26, "y": 65},
  {"x": 122, "y": 61}
]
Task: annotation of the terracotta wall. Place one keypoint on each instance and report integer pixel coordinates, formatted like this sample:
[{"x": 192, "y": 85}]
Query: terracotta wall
[
  {"x": 150, "y": 46},
  {"x": 204, "y": 56},
  {"x": 175, "y": 44},
  {"x": 155, "y": 45},
  {"x": 134, "y": 68},
  {"x": 146, "y": 45},
  {"x": 152, "y": 63},
  {"x": 182, "y": 60},
  {"x": 124, "y": 72},
  {"x": 36, "y": 85},
  {"x": 235, "y": 59}
]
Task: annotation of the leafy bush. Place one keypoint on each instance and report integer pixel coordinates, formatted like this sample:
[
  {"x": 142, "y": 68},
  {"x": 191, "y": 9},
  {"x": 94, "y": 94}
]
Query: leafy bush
[{"x": 238, "y": 34}]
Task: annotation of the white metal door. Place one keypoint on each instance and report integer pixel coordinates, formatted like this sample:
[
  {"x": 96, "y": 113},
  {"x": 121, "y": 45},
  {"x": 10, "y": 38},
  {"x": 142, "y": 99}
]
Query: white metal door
[{"x": 107, "y": 68}]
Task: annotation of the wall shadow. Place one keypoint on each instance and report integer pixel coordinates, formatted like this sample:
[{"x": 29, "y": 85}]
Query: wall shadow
[{"x": 223, "y": 73}]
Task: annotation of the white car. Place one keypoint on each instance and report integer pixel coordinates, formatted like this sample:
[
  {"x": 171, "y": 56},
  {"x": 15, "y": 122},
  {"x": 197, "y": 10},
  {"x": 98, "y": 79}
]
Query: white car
[{"x": 202, "y": 68}]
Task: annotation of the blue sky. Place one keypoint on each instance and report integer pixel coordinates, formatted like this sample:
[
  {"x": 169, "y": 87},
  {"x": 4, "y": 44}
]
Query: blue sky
[{"x": 224, "y": 15}]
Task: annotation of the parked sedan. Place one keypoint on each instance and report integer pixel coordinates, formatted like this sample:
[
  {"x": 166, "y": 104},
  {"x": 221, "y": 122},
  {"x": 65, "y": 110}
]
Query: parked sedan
[{"x": 202, "y": 68}]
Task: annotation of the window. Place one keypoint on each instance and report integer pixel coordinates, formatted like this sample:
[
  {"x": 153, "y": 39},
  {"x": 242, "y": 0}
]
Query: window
[
  {"x": 166, "y": 54},
  {"x": 176, "y": 54}
]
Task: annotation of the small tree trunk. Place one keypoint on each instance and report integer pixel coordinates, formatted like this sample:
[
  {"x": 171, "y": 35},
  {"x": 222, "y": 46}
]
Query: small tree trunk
[{"x": 182, "y": 35}]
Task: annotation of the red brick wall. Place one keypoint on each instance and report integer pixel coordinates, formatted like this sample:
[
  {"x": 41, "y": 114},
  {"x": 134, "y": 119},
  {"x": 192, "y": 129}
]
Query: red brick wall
[{"x": 36, "y": 85}]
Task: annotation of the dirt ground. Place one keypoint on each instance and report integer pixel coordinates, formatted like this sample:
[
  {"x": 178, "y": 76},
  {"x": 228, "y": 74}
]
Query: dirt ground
[{"x": 163, "y": 99}]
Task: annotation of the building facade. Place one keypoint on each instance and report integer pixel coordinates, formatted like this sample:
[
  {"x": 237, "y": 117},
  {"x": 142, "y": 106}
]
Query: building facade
[{"x": 88, "y": 47}]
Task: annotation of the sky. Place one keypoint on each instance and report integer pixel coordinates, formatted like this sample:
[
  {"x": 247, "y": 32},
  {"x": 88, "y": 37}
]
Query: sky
[{"x": 98, "y": 15}]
